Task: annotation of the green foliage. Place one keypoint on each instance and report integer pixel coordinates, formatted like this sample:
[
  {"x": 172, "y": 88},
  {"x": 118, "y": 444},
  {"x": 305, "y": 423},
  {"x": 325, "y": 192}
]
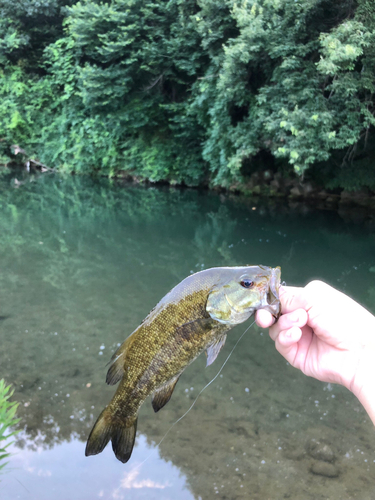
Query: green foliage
[
  {"x": 7, "y": 419},
  {"x": 282, "y": 99},
  {"x": 187, "y": 90}
]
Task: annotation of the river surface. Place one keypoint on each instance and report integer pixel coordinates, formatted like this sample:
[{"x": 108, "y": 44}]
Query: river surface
[{"x": 82, "y": 262}]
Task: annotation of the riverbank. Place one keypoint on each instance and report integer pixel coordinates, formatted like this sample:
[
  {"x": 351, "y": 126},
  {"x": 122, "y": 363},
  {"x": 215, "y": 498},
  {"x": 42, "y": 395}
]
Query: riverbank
[
  {"x": 355, "y": 206},
  {"x": 266, "y": 189},
  {"x": 271, "y": 184}
]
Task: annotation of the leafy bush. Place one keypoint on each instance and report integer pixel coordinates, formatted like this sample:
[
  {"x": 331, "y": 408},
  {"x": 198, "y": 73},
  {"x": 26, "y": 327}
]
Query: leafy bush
[{"x": 7, "y": 419}]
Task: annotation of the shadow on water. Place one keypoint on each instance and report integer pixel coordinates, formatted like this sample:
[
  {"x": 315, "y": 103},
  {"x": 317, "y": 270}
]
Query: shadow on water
[{"x": 83, "y": 262}]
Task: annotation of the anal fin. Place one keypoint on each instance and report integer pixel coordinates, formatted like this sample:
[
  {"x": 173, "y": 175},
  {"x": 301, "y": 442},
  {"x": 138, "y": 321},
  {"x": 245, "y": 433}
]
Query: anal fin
[
  {"x": 163, "y": 395},
  {"x": 213, "y": 350}
]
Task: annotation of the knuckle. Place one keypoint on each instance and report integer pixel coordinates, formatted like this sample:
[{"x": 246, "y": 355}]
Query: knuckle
[
  {"x": 318, "y": 285},
  {"x": 317, "y": 289}
]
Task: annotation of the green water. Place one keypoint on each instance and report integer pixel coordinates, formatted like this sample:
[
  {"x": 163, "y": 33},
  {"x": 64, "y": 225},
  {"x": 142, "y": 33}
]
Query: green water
[{"x": 83, "y": 262}]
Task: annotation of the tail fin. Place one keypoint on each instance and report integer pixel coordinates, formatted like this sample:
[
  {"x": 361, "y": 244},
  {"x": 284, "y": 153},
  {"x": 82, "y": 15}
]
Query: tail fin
[
  {"x": 123, "y": 440},
  {"x": 121, "y": 433}
]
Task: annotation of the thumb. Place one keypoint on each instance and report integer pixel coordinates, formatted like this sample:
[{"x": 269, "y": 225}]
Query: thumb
[{"x": 292, "y": 298}]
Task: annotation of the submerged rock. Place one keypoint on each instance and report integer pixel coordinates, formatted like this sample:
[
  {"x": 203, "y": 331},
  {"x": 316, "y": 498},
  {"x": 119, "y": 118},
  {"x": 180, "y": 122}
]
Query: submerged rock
[
  {"x": 294, "y": 453},
  {"x": 324, "y": 469},
  {"x": 320, "y": 451}
]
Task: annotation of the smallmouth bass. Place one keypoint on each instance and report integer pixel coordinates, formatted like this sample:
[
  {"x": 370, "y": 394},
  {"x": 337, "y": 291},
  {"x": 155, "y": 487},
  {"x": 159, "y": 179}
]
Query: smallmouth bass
[{"x": 193, "y": 317}]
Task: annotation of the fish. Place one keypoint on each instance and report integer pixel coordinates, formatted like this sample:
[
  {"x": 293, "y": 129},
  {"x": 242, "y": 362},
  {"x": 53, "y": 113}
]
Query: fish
[{"x": 195, "y": 316}]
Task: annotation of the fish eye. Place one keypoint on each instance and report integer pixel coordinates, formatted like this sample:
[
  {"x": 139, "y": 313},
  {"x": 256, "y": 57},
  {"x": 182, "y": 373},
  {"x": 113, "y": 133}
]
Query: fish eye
[{"x": 247, "y": 283}]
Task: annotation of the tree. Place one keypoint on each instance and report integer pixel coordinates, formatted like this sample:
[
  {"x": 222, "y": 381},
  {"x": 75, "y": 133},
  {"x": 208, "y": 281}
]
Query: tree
[{"x": 192, "y": 90}]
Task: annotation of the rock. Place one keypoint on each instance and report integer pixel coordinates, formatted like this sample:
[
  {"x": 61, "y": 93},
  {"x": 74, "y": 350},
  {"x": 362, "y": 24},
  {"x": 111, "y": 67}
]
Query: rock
[
  {"x": 275, "y": 184},
  {"x": 331, "y": 199},
  {"x": 295, "y": 453},
  {"x": 361, "y": 197},
  {"x": 296, "y": 192},
  {"x": 324, "y": 469},
  {"x": 346, "y": 197},
  {"x": 320, "y": 451},
  {"x": 307, "y": 189},
  {"x": 322, "y": 194}
]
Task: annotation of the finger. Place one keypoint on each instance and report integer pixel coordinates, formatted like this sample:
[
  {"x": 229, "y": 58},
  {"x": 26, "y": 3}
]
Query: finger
[
  {"x": 264, "y": 319},
  {"x": 297, "y": 318},
  {"x": 292, "y": 298},
  {"x": 299, "y": 359},
  {"x": 295, "y": 351},
  {"x": 289, "y": 337},
  {"x": 288, "y": 349}
]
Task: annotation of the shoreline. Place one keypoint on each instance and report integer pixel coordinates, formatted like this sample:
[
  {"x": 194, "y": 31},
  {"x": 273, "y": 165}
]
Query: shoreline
[{"x": 262, "y": 187}]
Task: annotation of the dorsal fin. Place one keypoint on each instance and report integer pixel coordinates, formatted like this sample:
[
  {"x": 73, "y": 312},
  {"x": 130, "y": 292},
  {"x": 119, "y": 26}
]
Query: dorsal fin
[
  {"x": 163, "y": 395},
  {"x": 213, "y": 350},
  {"x": 117, "y": 364}
]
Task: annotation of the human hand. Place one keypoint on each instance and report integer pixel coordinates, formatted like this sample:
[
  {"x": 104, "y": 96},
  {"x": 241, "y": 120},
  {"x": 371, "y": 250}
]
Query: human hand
[{"x": 328, "y": 336}]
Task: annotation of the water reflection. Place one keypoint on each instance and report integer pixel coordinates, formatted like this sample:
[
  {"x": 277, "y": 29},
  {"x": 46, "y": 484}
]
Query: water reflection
[
  {"x": 63, "y": 472},
  {"x": 83, "y": 262}
]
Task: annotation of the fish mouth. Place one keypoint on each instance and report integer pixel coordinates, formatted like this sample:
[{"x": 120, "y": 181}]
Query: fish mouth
[
  {"x": 268, "y": 289},
  {"x": 271, "y": 301},
  {"x": 275, "y": 282},
  {"x": 273, "y": 292}
]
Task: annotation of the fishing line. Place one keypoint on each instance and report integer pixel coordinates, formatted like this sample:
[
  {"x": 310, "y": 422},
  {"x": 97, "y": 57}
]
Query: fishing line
[
  {"x": 209, "y": 383},
  {"x": 196, "y": 399},
  {"x": 200, "y": 392}
]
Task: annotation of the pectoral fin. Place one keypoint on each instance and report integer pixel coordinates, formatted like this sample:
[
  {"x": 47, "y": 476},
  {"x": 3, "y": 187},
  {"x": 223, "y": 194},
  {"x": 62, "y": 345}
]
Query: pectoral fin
[
  {"x": 213, "y": 350},
  {"x": 163, "y": 395}
]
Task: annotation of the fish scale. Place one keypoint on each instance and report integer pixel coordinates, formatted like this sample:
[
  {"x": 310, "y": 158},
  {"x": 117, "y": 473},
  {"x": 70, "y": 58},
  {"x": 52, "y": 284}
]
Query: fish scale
[{"x": 193, "y": 317}]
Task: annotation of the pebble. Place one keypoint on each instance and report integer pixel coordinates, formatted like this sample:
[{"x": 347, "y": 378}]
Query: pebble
[
  {"x": 320, "y": 451},
  {"x": 324, "y": 469},
  {"x": 294, "y": 453}
]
